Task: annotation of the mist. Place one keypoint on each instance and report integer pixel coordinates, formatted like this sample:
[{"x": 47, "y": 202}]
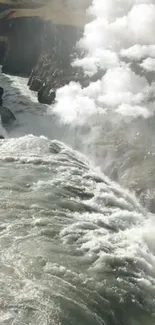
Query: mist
[{"x": 118, "y": 109}]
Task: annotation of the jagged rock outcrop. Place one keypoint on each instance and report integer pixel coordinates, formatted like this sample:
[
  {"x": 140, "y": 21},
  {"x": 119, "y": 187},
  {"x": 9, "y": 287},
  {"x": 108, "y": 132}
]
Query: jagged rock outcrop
[
  {"x": 53, "y": 68},
  {"x": 51, "y": 73}
]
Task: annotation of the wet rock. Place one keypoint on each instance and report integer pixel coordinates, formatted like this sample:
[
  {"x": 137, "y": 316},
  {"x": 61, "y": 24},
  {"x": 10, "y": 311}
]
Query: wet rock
[
  {"x": 46, "y": 96},
  {"x": 1, "y": 94},
  {"x": 53, "y": 67},
  {"x": 42, "y": 70},
  {"x": 54, "y": 74},
  {"x": 35, "y": 84},
  {"x": 7, "y": 117},
  {"x": 1, "y": 137}
]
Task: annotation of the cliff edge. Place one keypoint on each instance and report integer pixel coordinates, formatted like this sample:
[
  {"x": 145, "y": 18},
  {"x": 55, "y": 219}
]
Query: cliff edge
[{"x": 37, "y": 40}]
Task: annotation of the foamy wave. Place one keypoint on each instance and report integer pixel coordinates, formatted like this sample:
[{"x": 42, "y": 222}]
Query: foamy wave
[{"x": 72, "y": 241}]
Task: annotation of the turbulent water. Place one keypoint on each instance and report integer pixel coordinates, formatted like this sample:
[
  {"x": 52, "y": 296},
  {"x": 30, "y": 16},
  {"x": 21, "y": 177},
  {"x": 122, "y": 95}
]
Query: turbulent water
[{"x": 77, "y": 184}]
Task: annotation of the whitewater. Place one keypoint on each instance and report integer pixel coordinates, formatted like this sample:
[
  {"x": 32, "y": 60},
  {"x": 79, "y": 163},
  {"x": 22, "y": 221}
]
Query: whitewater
[{"x": 77, "y": 183}]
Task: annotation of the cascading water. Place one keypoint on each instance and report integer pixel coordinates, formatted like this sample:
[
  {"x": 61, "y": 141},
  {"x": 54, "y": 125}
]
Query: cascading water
[{"x": 76, "y": 247}]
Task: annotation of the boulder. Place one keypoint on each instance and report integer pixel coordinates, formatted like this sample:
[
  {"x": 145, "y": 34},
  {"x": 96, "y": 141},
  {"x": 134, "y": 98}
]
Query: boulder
[
  {"x": 35, "y": 84},
  {"x": 46, "y": 96},
  {"x": 1, "y": 137},
  {"x": 7, "y": 117}
]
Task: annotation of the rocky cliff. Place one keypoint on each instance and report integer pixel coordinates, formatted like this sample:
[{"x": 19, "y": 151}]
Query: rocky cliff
[{"x": 37, "y": 39}]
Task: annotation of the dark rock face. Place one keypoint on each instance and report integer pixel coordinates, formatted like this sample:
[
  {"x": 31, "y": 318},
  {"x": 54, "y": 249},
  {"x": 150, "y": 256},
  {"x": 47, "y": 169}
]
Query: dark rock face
[
  {"x": 24, "y": 45},
  {"x": 1, "y": 137},
  {"x": 3, "y": 49},
  {"x": 53, "y": 68},
  {"x": 1, "y": 94},
  {"x": 1, "y": 91},
  {"x": 7, "y": 117}
]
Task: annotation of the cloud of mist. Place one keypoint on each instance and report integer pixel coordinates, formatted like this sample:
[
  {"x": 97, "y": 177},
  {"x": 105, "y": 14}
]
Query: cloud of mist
[
  {"x": 117, "y": 109},
  {"x": 119, "y": 29}
]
